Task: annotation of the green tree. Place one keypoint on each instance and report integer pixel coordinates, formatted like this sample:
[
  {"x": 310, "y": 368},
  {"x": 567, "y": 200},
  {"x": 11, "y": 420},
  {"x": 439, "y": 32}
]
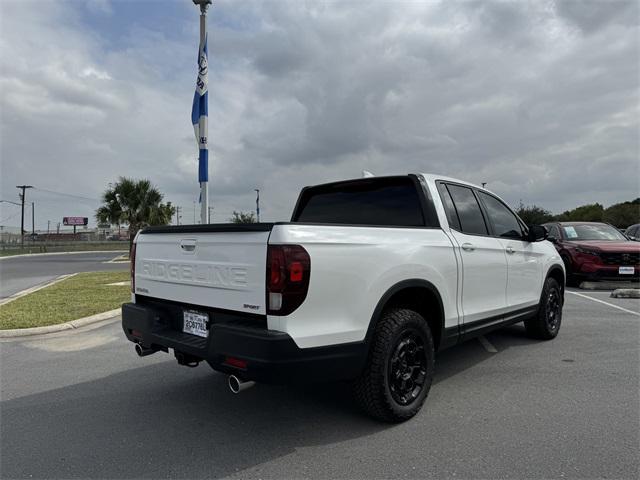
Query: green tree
[
  {"x": 242, "y": 217},
  {"x": 533, "y": 214},
  {"x": 623, "y": 214},
  {"x": 585, "y": 213},
  {"x": 134, "y": 202}
]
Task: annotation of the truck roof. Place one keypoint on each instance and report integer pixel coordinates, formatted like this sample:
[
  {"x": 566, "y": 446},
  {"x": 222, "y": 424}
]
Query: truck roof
[{"x": 434, "y": 177}]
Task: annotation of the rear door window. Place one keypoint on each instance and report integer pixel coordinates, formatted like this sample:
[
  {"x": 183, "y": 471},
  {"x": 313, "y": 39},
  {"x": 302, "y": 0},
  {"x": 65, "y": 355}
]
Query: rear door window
[
  {"x": 468, "y": 209},
  {"x": 392, "y": 201},
  {"x": 449, "y": 208}
]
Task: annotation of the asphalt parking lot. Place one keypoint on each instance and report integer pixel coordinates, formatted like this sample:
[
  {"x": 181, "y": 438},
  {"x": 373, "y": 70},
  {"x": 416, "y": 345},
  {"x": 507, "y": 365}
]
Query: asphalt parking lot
[{"x": 82, "y": 405}]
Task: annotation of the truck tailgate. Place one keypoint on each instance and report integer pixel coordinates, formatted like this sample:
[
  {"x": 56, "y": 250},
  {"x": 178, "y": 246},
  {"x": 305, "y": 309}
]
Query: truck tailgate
[{"x": 218, "y": 267}]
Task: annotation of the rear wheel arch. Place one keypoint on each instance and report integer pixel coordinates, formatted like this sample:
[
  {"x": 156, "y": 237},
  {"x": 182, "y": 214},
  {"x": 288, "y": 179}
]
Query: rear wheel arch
[{"x": 418, "y": 295}]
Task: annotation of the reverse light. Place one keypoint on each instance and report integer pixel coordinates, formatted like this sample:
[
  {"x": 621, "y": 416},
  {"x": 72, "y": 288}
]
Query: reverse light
[{"x": 288, "y": 274}]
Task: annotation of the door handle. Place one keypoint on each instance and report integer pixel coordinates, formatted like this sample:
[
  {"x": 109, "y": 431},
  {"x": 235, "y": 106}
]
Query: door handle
[
  {"x": 510, "y": 250},
  {"x": 188, "y": 245},
  {"x": 468, "y": 247}
]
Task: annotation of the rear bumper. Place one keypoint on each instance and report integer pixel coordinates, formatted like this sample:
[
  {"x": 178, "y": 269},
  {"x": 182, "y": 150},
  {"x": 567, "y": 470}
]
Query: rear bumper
[{"x": 271, "y": 357}]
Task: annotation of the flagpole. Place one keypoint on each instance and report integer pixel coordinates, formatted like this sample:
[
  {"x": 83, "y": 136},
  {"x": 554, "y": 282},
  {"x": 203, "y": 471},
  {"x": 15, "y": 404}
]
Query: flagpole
[{"x": 203, "y": 127}]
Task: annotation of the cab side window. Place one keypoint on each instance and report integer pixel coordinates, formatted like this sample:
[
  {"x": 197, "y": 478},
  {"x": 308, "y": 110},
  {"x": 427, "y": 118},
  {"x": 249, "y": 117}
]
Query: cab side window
[
  {"x": 468, "y": 210},
  {"x": 505, "y": 223}
]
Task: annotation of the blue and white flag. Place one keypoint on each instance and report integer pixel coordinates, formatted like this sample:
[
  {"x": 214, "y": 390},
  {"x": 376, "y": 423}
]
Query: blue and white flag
[{"x": 200, "y": 113}]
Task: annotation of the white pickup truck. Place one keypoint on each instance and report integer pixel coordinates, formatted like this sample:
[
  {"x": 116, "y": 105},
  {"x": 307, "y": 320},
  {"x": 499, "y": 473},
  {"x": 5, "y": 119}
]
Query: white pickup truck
[{"x": 367, "y": 281}]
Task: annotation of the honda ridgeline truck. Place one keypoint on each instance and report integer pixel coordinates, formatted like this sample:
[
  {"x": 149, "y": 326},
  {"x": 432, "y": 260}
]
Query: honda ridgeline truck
[{"x": 367, "y": 281}]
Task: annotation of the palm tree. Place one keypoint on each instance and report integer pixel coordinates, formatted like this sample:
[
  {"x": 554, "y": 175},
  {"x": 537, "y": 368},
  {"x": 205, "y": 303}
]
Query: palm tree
[
  {"x": 111, "y": 211},
  {"x": 135, "y": 202}
]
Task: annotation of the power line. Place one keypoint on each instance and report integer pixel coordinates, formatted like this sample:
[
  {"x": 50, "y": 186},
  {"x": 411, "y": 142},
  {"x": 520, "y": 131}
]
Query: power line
[
  {"x": 10, "y": 217},
  {"x": 67, "y": 194}
]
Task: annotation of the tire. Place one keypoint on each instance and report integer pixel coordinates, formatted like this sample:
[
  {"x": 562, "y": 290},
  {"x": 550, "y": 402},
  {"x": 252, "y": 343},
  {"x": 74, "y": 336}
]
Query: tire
[
  {"x": 545, "y": 325},
  {"x": 399, "y": 371}
]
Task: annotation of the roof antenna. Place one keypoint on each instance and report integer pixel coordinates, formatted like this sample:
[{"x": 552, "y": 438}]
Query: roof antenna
[{"x": 367, "y": 174}]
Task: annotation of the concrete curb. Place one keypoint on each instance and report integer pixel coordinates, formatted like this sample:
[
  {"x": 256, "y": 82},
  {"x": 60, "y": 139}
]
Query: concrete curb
[
  {"x": 60, "y": 253},
  {"x": 626, "y": 293},
  {"x": 72, "y": 325},
  {"x": 608, "y": 285}
]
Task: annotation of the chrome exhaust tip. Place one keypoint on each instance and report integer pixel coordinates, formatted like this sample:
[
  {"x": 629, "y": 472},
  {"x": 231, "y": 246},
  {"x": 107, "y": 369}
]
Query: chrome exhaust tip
[
  {"x": 237, "y": 385},
  {"x": 144, "y": 351}
]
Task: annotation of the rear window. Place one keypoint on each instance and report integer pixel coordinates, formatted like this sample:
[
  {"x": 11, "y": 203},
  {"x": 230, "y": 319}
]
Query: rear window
[{"x": 384, "y": 201}]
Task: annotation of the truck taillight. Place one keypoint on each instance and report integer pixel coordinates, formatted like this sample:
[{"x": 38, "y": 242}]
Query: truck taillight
[
  {"x": 288, "y": 273},
  {"x": 132, "y": 260}
]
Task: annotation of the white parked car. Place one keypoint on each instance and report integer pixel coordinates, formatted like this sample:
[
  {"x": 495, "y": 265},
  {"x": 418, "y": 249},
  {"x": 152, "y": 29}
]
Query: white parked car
[{"x": 369, "y": 279}]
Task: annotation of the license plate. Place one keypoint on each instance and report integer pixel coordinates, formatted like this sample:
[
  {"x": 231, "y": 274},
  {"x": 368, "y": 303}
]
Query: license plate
[
  {"x": 626, "y": 270},
  {"x": 195, "y": 323}
]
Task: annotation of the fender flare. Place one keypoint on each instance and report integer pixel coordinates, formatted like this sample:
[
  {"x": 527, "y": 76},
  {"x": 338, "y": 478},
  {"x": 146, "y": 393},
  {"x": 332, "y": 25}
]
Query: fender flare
[
  {"x": 556, "y": 267},
  {"x": 402, "y": 285}
]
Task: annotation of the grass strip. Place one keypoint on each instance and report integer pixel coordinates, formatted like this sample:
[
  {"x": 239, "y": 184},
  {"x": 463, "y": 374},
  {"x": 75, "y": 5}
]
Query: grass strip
[{"x": 79, "y": 296}]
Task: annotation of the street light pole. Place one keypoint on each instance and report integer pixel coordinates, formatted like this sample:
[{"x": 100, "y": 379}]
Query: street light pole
[
  {"x": 33, "y": 217},
  {"x": 203, "y": 120},
  {"x": 23, "y": 187},
  {"x": 257, "y": 204}
]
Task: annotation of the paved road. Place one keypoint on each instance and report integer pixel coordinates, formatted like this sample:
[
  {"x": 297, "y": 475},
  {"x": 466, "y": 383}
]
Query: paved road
[
  {"x": 20, "y": 273},
  {"x": 82, "y": 405}
]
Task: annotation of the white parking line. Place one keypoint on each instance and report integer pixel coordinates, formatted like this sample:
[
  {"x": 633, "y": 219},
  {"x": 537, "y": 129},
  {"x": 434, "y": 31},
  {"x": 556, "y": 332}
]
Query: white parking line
[
  {"x": 487, "y": 345},
  {"x": 605, "y": 303}
]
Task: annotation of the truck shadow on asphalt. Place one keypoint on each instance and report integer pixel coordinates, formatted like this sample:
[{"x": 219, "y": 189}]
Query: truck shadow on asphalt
[{"x": 163, "y": 420}]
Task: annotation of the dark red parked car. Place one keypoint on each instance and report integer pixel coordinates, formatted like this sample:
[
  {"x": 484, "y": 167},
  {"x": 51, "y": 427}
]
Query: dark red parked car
[{"x": 595, "y": 251}]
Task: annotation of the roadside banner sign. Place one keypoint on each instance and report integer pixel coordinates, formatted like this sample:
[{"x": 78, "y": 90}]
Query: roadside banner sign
[{"x": 75, "y": 221}]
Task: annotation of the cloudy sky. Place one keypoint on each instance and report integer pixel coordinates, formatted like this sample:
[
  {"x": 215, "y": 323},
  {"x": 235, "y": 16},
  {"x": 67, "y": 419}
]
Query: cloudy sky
[{"x": 539, "y": 99}]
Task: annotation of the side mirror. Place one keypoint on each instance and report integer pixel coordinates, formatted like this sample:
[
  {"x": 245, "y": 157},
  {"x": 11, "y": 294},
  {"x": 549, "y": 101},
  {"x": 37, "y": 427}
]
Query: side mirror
[
  {"x": 537, "y": 233},
  {"x": 552, "y": 239}
]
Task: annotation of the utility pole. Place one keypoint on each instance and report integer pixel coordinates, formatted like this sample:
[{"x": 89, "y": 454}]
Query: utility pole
[
  {"x": 257, "y": 204},
  {"x": 33, "y": 218},
  {"x": 48, "y": 226},
  {"x": 178, "y": 215},
  {"x": 23, "y": 188},
  {"x": 210, "y": 209}
]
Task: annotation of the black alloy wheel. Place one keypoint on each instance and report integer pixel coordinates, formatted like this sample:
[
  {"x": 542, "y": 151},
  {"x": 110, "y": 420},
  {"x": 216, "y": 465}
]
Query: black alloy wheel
[{"x": 408, "y": 367}]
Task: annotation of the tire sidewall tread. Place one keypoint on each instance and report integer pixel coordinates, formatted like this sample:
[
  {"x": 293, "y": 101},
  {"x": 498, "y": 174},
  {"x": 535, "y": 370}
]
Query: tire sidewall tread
[{"x": 372, "y": 387}]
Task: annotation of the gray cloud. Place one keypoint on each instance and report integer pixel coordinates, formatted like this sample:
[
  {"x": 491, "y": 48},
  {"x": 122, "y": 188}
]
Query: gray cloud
[{"x": 539, "y": 99}]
